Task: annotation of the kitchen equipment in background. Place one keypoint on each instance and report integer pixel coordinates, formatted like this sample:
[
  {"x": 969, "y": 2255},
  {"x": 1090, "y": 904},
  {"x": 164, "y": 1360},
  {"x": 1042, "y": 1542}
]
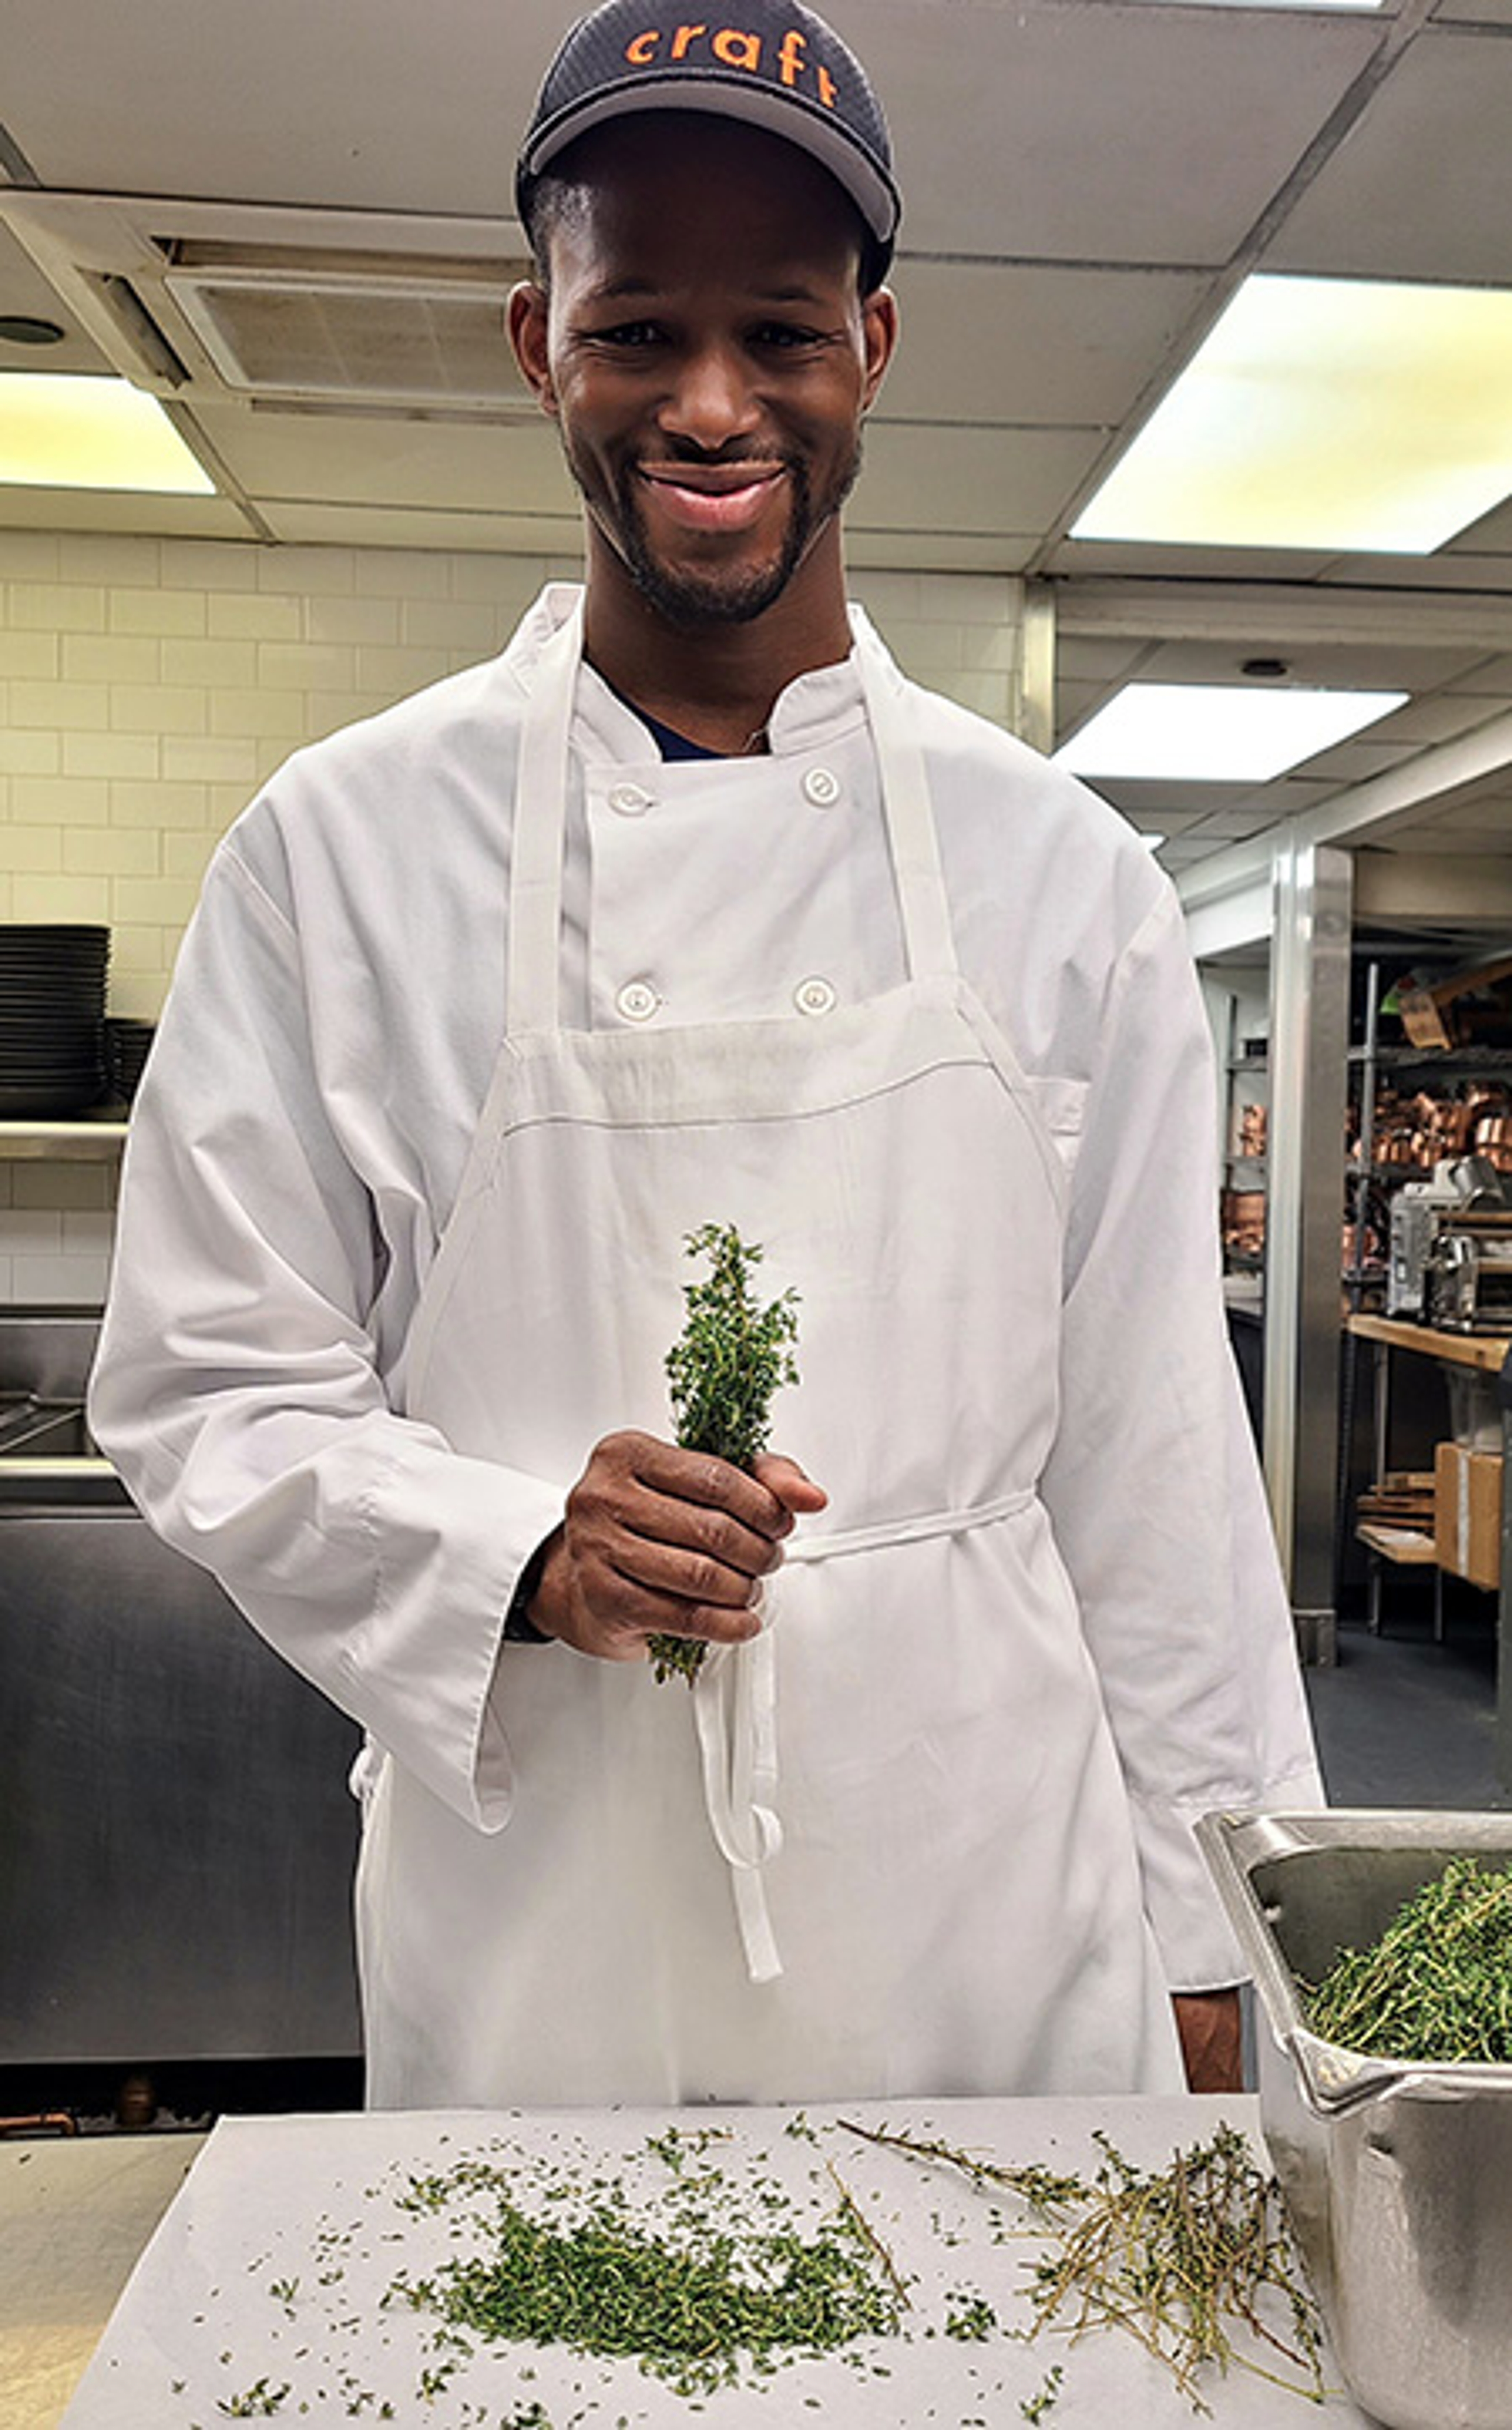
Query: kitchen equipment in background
[
  {"x": 52, "y": 1018},
  {"x": 1419, "y": 1209},
  {"x": 1398, "y": 2177},
  {"x": 176, "y": 1839},
  {"x": 1468, "y": 1278}
]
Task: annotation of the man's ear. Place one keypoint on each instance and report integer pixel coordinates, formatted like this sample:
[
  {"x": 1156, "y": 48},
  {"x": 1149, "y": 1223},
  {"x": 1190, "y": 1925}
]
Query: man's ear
[
  {"x": 879, "y": 328},
  {"x": 526, "y": 317}
]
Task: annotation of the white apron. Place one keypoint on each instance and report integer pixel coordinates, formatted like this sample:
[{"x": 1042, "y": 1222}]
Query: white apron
[{"x": 885, "y": 1849}]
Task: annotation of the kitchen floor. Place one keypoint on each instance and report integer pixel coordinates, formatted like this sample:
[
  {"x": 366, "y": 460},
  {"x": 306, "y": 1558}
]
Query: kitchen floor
[{"x": 1402, "y": 1721}]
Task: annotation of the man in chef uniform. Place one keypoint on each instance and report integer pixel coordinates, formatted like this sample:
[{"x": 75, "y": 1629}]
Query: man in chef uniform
[{"x": 689, "y": 908}]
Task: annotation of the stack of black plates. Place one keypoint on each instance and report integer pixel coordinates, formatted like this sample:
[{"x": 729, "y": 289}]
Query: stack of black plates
[
  {"x": 125, "y": 1053},
  {"x": 52, "y": 1019}
]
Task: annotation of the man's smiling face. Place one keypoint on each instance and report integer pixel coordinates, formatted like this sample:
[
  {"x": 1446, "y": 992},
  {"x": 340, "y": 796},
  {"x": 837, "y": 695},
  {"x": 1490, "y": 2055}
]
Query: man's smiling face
[{"x": 708, "y": 354}]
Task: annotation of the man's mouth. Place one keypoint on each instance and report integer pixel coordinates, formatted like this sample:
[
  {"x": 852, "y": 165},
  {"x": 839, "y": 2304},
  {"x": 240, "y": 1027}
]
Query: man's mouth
[{"x": 712, "y": 497}]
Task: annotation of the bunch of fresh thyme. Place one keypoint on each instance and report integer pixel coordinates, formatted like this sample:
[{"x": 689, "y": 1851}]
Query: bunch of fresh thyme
[
  {"x": 695, "y": 2304},
  {"x": 732, "y": 1356},
  {"x": 1437, "y": 1985},
  {"x": 1174, "y": 2255}
]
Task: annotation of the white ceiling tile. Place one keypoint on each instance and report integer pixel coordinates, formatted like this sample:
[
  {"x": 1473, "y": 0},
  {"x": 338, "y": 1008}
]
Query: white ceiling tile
[
  {"x": 1085, "y": 558},
  {"x": 1032, "y": 342},
  {"x": 1382, "y": 666},
  {"x": 1447, "y": 571},
  {"x": 1490, "y": 680},
  {"x": 24, "y": 290},
  {"x": 1423, "y": 187},
  {"x": 121, "y": 510},
  {"x": 1099, "y": 134},
  {"x": 372, "y": 460},
  {"x": 377, "y": 527},
  {"x": 968, "y": 480}
]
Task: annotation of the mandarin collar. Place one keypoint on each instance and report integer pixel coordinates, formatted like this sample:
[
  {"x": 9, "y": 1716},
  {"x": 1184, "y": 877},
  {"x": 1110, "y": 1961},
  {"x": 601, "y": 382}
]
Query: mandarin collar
[{"x": 816, "y": 708}]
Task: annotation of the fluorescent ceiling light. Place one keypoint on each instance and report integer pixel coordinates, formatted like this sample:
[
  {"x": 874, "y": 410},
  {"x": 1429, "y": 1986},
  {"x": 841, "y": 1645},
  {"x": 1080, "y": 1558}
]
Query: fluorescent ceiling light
[
  {"x": 71, "y": 430},
  {"x": 1233, "y": 733},
  {"x": 1327, "y": 413}
]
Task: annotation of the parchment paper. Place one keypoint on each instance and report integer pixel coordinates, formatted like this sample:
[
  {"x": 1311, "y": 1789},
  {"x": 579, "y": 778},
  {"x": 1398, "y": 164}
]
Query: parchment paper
[{"x": 262, "y": 2293}]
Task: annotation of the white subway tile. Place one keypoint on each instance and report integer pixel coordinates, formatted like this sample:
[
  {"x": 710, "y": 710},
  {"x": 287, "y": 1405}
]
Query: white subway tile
[
  {"x": 111, "y": 658},
  {"x": 450, "y": 625},
  {"x": 352, "y": 620},
  {"x": 188, "y": 853},
  {"x": 227, "y": 803},
  {"x": 134, "y": 952},
  {"x": 210, "y": 564},
  {"x": 261, "y": 714},
  {"x": 126, "y": 755},
  {"x": 403, "y": 574},
  {"x": 319, "y": 572},
  {"x": 87, "y": 1231},
  {"x": 329, "y": 711},
  {"x": 885, "y": 596},
  {"x": 36, "y": 657},
  {"x": 108, "y": 556},
  {"x": 393, "y": 674},
  {"x": 973, "y": 598},
  {"x": 158, "y": 708},
  {"x": 6, "y": 898},
  {"x": 304, "y": 666},
  {"x": 69, "y": 1282},
  {"x": 988, "y": 694},
  {"x": 254, "y": 616},
  {"x": 924, "y": 649},
  {"x": 32, "y": 849},
  {"x": 210, "y": 663},
  {"x": 112, "y": 852},
  {"x": 165, "y": 612},
  {"x": 60, "y": 898},
  {"x": 35, "y": 754},
  {"x": 507, "y": 584},
  {"x": 210, "y": 758},
  {"x": 28, "y": 556},
  {"x": 158, "y": 804},
  {"x": 60, "y": 705},
  {"x": 7, "y": 1194},
  {"x": 32, "y": 1231},
  {"x": 988, "y": 649},
  {"x": 82, "y": 801},
  {"x": 56, "y": 606},
  {"x": 8, "y": 1280},
  {"x": 61, "y": 1186},
  {"x": 139, "y": 995}
]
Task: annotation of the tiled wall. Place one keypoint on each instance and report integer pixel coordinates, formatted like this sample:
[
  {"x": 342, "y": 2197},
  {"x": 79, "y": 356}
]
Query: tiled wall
[{"x": 149, "y": 686}]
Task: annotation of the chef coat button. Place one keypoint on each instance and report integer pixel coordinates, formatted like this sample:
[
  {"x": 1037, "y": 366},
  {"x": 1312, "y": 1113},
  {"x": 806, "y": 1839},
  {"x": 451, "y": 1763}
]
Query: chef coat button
[
  {"x": 822, "y": 787},
  {"x": 814, "y": 995},
  {"x": 638, "y": 1000},
  {"x": 631, "y": 801}
]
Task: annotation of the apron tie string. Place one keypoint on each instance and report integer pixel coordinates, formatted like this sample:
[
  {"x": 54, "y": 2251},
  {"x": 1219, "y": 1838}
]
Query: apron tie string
[{"x": 735, "y": 1706}]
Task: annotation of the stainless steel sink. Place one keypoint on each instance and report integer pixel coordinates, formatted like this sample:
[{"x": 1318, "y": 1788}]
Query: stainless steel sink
[{"x": 47, "y": 1453}]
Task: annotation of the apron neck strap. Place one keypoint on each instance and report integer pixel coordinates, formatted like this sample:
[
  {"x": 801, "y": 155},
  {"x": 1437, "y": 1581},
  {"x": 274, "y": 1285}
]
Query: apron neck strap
[
  {"x": 922, "y": 902},
  {"x": 540, "y": 825},
  {"x": 539, "y": 831}
]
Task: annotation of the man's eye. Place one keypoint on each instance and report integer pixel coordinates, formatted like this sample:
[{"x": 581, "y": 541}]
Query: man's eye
[
  {"x": 784, "y": 335},
  {"x": 627, "y": 333}
]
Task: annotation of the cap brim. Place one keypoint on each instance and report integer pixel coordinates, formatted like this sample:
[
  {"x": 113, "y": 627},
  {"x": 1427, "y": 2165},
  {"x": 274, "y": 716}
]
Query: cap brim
[{"x": 783, "y": 114}]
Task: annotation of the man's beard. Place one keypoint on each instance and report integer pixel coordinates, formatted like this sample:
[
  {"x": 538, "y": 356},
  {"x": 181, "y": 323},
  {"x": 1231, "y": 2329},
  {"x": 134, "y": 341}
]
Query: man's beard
[{"x": 691, "y": 601}]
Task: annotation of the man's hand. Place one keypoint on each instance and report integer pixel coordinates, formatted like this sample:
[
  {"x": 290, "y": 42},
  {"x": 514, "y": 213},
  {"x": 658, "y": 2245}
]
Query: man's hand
[
  {"x": 1208, "y": 2024},
  {"x": 661, "y": 1540}
]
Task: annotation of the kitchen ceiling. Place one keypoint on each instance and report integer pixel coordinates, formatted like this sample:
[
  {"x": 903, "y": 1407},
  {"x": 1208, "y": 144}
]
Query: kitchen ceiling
[{"x": 1086, "y": 183}]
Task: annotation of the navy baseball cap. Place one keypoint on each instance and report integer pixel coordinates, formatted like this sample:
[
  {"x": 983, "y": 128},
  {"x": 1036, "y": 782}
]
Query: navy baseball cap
[{"x": 780, "y": 67}]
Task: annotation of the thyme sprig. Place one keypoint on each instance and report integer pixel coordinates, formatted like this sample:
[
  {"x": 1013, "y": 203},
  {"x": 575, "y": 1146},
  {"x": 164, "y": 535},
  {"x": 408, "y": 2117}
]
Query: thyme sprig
[
  {"x": 1175, "y": 2256},
  {"x": 731, "y": 1358},
  {"x": 1437, "y": 1985}
]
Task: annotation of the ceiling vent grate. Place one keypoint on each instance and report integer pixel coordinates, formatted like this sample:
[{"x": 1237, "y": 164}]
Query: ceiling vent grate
[{"x": 351, "y": 330}]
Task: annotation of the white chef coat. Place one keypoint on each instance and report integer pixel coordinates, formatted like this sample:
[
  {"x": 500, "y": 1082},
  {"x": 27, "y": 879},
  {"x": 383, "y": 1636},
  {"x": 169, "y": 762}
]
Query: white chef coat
[{"x": 298, "y": 1149}]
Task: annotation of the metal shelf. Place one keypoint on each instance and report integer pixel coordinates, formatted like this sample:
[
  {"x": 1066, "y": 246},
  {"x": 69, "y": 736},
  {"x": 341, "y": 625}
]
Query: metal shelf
[{"x": 93, "y": 1138}]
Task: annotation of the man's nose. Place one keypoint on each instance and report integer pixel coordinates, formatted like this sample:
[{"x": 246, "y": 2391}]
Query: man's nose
[{"x": 711, "y": 401}]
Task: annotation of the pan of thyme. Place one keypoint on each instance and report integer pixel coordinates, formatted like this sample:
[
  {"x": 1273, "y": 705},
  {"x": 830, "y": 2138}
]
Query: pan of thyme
[{"x": 731, "y": 1358}]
